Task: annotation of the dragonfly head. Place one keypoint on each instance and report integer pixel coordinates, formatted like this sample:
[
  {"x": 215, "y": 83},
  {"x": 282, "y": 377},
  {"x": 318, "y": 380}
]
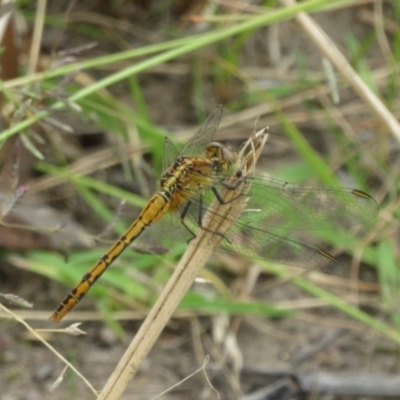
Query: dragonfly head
[{"x": 222, "y": 156}]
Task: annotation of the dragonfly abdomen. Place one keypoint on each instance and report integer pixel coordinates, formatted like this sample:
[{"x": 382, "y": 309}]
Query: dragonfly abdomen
[{"x": 156, "y": 207}]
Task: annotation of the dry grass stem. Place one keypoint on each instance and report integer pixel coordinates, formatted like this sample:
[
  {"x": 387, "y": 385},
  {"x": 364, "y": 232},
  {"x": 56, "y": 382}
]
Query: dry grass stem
[
  {"x": 197, "y": 254},
  {"x": 97, "y": 316},
  {"x": 202, "y": 368},
  {"x": 37, "y": 36},
  {"x": 86, "y": 165},
  {"x": 328, "y": 48},
  {"x": 48, "y": 345}
]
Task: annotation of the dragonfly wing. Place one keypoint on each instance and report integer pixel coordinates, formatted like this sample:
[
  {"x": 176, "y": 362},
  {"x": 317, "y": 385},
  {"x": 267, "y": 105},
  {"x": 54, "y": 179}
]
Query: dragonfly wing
[
  {"x": 258, "y": 244},
  {"x": 173, "y": 228},
  {"x": 170, "y": 154},
  {"x": 278, "y": 205},
  {"x": 196, "y": 145},
  {"x": 248, "y": 240},
  {"x": 275, "y": 209}
]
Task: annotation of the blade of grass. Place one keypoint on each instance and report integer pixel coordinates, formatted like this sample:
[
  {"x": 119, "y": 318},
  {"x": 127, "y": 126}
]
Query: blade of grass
[
  {"x": 327, "y": 47},
  {"x": 196, "y": 43},
  {"x": 92, "y": 184},
  {"x": 94, "y": 63},
  {"x": 357, "y": 58},
  {"x": 100, "y": 209},
  {"x": 388, "y": 273},
  {"x": 335, "y": 301},
  {"x": 193, "y": 301},
  {"x": 320, "y": 168}
]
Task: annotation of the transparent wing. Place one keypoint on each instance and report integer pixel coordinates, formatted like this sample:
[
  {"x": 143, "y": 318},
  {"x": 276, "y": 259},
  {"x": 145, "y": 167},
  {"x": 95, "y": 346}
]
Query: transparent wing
[
  {"x": 279, "y": 205},
  {"x": 195, "y": 146},
  {"x": 270, "y": 246},
  {"x": 274, "y": 212},
  {"x": 251, "y": 242},
  {"x": 170, "y": 154}
]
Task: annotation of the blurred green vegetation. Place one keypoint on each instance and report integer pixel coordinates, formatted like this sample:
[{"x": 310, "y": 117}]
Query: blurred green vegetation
[{"x": 365, "y": 163}]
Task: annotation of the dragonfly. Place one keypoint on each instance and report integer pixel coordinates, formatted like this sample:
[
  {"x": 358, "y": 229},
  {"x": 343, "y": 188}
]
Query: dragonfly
[{"x": 192, "y": 180}]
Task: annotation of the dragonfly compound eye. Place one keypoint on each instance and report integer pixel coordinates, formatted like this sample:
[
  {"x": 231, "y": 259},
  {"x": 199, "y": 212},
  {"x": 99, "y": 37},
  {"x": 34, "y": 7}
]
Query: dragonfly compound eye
[
  {"x": 221, "y": 152},
  {"x": 229, "y": 155}
]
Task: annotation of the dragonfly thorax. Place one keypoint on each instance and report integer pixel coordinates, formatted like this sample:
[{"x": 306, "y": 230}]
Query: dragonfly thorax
[
  {"x": 186, "y": 177},
  {"x": 191, "y": 175}
]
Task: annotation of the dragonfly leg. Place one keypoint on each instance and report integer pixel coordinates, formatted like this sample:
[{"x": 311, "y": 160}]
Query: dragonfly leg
[
  {"x": 199, "y": 219},
  {"x": 182, "y": 219},
  {"x": 235, "y": 185},
  {"x": 221, "y": 200},
  {"x": 201, "y": 215}
]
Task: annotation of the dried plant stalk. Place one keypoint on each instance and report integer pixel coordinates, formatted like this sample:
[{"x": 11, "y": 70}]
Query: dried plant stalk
[
  {"x": 196, "y": 255},
  {"x": 328, "y": 48}
]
